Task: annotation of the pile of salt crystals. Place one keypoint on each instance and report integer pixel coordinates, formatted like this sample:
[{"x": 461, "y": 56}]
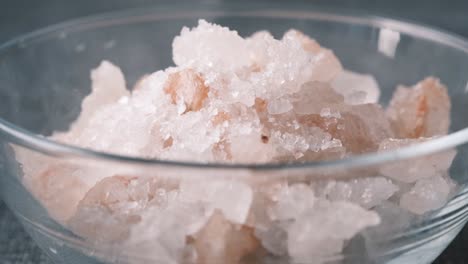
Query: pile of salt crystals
[{"x": 251, "y": 100}]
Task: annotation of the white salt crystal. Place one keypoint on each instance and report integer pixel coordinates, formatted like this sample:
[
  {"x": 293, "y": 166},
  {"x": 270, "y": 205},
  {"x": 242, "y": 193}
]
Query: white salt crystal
[
  {"x": 292, "y": 201},
  {"x": 367, "y": 192},
  {"x": 274, "y": 238},
  {"x": 426, "y": 195},
  {"x": 210, "y": 46},
  {"x": 257, "y": 152},
  {"x": 322, "y": 230},
  {"x": 108, "y": 85},
  {"x": 357, "y": 88},
  {"x": 233, "y": 198},
  {"x": 160, "y": 236}
]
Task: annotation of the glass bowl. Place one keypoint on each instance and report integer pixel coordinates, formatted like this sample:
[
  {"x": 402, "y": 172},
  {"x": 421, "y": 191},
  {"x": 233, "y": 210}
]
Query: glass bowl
[{"x": 45, "y": 75}]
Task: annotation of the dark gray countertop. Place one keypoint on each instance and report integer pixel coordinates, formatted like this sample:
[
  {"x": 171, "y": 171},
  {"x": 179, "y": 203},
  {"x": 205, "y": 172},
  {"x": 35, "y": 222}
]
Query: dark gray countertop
[{"x": 21, "y": 16}]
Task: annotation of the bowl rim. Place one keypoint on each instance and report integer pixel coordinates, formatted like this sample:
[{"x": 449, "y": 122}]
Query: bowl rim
[{"x": 18, "y": 135}]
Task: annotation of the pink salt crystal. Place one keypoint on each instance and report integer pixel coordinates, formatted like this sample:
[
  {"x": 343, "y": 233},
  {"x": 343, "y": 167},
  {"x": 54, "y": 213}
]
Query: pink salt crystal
[
  {"x": 360, "y": 128},
  {"x": 32, "y": 163},
  {"x": 418, "y": 168},
  {"x": 96, "y": 217},
  {"x": 313, "y": 97},
  {"x": 420, "y": 111},
  {"x": 114, "y": 204},
  {"x": 220, "y": 241},
  {"x": 426, "y": 195},
  {"x": 58, "y": 188},
  {"x": 374, "y": 121},
  {"x": 279, "y": 106},
  {"x": 329, "y": 65},
  {"x": 188, "y": 86}
]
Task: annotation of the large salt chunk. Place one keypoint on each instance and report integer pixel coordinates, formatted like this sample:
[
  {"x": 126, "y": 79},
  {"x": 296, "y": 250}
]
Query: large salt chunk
[
  {"x": 258, "y": 151},
  {"x": 59, "y": 188},
  {"x": 313, "y": 97},
  {"x": 395, "y": 220},
  {"x": 232, "y": 198},
  {"x": 276, "y": 78},
  {"x": 271, "y": 78},
  {"x": 426, "y": 195},
  {"x": 188, "y": 87},
  {"x": 420, "y": 111},
  {"x": 274, "y": 238},
  {"x": 279, "y": 106},
  {"x": 367, "y": 192},
  {"x": 210, "y": 46},
  {"x": 328, "y": 65},
  {"x": 292, "y": 201},
  {"x": 417, "y": 168},
  {"x": 359, "y": 128},
  {"x": 356, "y": 88},
  {"x": 99, "y": 134},
  {"x": 192, "y": 136},
  {"x": 221, "y": 241},
  {"x": 159, "y": 236},
  {"x": 108, "y": 209},
  {"x": 322, "y": 231},
  {"x": 375, "y": 125},
  {"x": 108, "y": 86}
]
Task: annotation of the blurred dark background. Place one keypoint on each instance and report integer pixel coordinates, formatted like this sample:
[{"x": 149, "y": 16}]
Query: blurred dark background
[{"x": 21, "y": 16}]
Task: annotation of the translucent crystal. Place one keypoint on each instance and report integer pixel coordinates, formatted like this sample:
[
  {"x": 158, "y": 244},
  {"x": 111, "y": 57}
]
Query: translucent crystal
[
  {"x": 59, "y": 188},
  {"x": 357, "y": 88},
  {"x": 314, "y": 97},
  {"x": 322, "y": 231},
  {"x": 113, "y": 205},
  {"x": 108, "y": 86},
  {"x": 420, "y": 111},
  {"x": 274, "y": 238},
  {"x": 367, "y": 192},
  {"x": 232, "y": 198},
  {"x": 414, "y": 169},
  {"x": 220, "y": 241},
  {"x": 292, "y": 202},
  {"x": 329, "y": 65},
  {"x": 427, "y": 194},
  {"x": 210, "y": 46}
]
